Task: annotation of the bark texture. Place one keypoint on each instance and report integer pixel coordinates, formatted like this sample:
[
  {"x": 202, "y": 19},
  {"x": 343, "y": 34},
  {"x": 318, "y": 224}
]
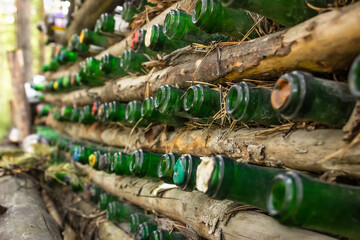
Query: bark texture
[
  {"x": 20, "y": 102},
  {"x": 23, "y": 34},
  {"x": 26, "y": 217},
  {"x": 317, "y": 45},
  {"x": 313, "y": 151},
  {"x": 210, "y": 218}
]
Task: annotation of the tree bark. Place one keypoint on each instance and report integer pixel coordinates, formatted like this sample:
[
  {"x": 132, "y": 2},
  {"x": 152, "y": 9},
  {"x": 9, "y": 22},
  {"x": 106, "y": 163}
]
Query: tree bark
[
  {"x": 20, "y": 103},
  {"x": 210, "y": 218},
  {"x": 26, "y": 217},
  {"x": 23, "y": 35},
  {"x": 317, "y": 45},
  {"x": 313, "y": 151}
]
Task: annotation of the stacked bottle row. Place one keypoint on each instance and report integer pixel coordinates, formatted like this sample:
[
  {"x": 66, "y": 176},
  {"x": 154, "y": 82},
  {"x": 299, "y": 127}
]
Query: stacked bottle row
[
  {"x": 293, "y": 198},
  {"x": 142, "y": 226},
  {"x": 296, "y": 96},
  {"x": 60, "y": 57}
]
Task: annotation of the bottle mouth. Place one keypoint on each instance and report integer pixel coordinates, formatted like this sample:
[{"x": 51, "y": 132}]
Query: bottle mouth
[
  {"x": 237, "y": 101},
  {"x": 280, "y": 96},
  {"x": 354, "y": 78},
  {"x": 114, "y": 162},
  {"x": 289, "y": 93},
  {"x": 137, "y": 38},
  {"x": 134, "y": 222},
  {"x": 147, "y": 108},
  {"x": 180, "y": 172},
  {"x": 133, "y": 112},
  {"x": 166, "y": 165},
  {"x": 285, "y": 195},
  {"x": 173, "y": 20},
  {"x": 192, "y": 99},
  {"x": 84, "y": 35},
  {"x": 203, "y": 12},
  {"x": 137, "y": 162},
  {"x": 105, "y": 64},
  {"x": 126, "y": 59}
]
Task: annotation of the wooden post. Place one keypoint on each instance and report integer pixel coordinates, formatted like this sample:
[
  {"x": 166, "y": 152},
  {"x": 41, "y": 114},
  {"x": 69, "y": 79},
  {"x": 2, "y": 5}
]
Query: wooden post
[
  {"x": 21, "y": 105},
  {"x": 23, "y": 35}
]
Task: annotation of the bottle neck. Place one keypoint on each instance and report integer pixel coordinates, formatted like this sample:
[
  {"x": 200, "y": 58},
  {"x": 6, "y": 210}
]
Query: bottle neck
[
  {"x": 166, "y": 167},
  {"x": 144, "y": 230},
  {"x": 107, "y": 23},
  {"x": 285, "y": 196},
  {"x": 221, "y": 178},
  {"x": 185, "y": 171},
  {"x": 354, "y": 78},
  {"x": 131, "y": 62},
  {"x": 139, "y": 163},
  {"x": 138, "y": 218},
  {"x": 148, "y": 111},
  {"x": 200, "y": 101},
  {"x": 133, "y": 112},
  {"x": 168, "y": 99}
]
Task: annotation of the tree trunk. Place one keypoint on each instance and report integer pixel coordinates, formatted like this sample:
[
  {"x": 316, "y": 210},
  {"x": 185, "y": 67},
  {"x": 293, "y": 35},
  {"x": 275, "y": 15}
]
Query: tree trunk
[
  {"x": 23, "y": 35},
  {"x": 210, "y": 218},
  {"x": 20, "y": 103},
  {"x": 26, "y": 217}
]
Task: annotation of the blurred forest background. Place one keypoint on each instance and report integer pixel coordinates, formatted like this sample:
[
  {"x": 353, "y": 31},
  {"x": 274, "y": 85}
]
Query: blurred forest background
[{"x": 8, "y": 43}]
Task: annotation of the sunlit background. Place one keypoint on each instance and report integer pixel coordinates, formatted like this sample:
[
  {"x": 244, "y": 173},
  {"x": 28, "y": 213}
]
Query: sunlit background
[{"x": 8, "y": 43}]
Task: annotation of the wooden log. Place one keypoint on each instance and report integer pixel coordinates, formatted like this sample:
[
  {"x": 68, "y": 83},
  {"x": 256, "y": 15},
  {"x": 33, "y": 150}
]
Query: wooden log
[
  {"x": 305, "y": 150},
  {"x": 317, "y": 45},
  {"x": 86, "y": 17},
  {"x": 26, "y": 217},
  {"x": 109, "y": 231},
  {"x": 50, "y": 206},
  {"x": 20, "y": 103},
  {"x": 211, "y": 219}
]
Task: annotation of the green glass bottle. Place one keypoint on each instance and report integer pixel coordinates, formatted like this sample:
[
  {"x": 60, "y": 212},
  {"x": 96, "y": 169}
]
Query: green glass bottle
[
  {"x": 285, "y": 12},
  {"x": 166, "y": 235},
  {"x": 133, "y": 113},
  {"x": 51, "y": 67},
  {"x": 85, "y": 116},
  {"x": 245, "y": 102},
  {"x": 299, "y": 200},
  {"x": 185, "y": 172},
  {"x": 92, "y": 68},
  {"x": 166, "y": 167},
  {"x": 121, "y": 212},
  {"x": 43, "y": 109},
  {"x": 169, "y": 100},
  {"x": 150, "y": 114},
  {"x": 75, "y": 115},
  {"x": 354, "y": 78},
  {"x": 138, "y": 43},
  {"x": 138, "y": 218},
  {"x": 81, "y": 153},
  {"x": 64, "y": 115},
  {"x": 178, "y": 25},
  {"x": 140, "y": 4},
  {"x": 201, "y": 101},
  {"x": 65, "y": 83},
  {"x": 49, "y": 87},
  {"x": 101, "y": 112},
  {"x": 67, "y": 57},
  {"x": 75, "y": 81},
  {"x": 89, "y": 37},
  {"x": 106, "y": 23},
  {"x": 97, "y": 160},
  {"x": 120, "y": 164},
  {"x": 213, "y": 17},
  {"x": 116, "y": 112},
  {"x": 76, "y": 46},
  {"x": 144, "y": 230},
  {"x": 156, "y": 40},
  {"x": 144, "y": 163},
  {"x": 300, "y": 96},
  {"x": 240, "y": 182},
  {"x": 131, "y": 62},
  {"x": 105, "y": 199},
  {"x": 129, "y": 10},
  {"x": 110, "y": 65},
  {"x": 94, "y": 193},
  {"x": 38, "y": 87}
]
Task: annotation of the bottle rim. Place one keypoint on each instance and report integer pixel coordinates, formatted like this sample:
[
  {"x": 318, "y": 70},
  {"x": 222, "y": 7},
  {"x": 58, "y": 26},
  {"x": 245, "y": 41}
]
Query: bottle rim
[
  {"x": 240, "y": 95},
  {"x": 354, "y": 78}
]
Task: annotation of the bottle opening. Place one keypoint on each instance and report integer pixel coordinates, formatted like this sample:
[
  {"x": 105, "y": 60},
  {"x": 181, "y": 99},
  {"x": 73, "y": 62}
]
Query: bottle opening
[
  {"x": 164, "y": 165},
  {"x": 134, "y": 222},
  {"x": 232, "y": 100},
  {"x": 196, "y": 16},
  {"x": 179, "y": 172},
  {"x": 129, "y": 113},
  {"x": 189, "y": 99},
  {"x": 146, "y": 108},
  {"x": 132, "y": 164},
  {"x": 354, "y": 78},
  {"x": 280, "y": 95},
  {"x": 278, "y": 195},
  {"x": 167, "y": 25}
]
